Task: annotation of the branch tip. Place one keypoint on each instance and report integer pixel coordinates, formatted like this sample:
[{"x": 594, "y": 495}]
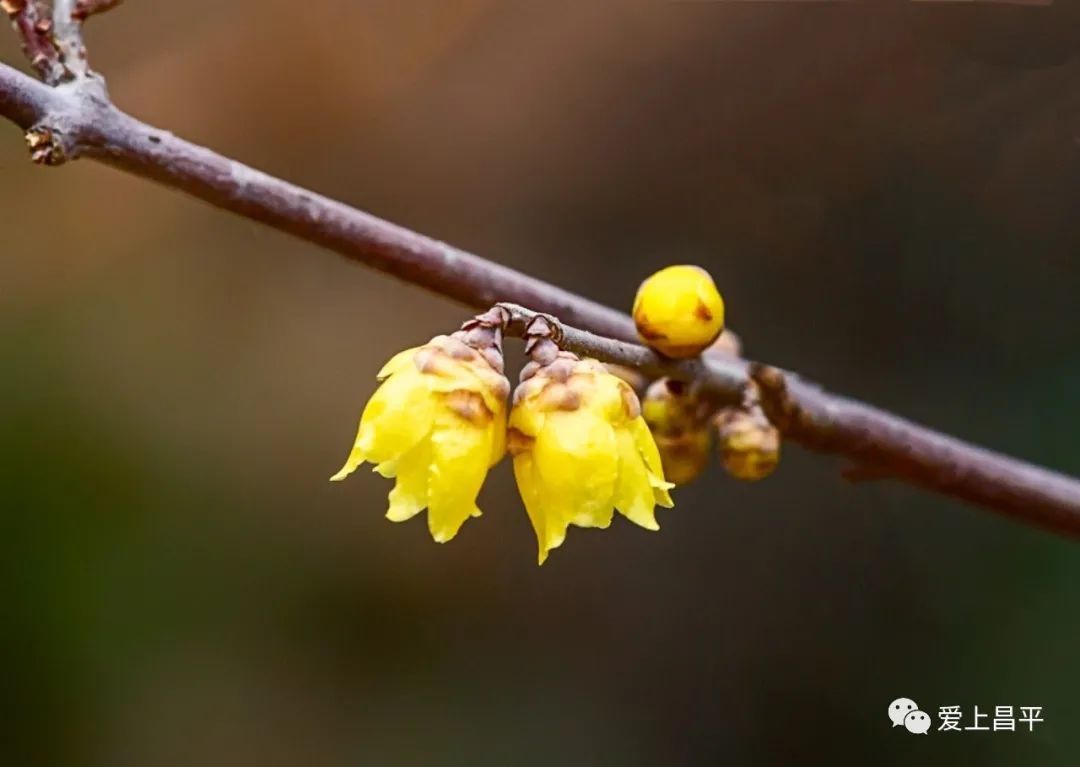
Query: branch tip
[{"x": 84, "y": 9}]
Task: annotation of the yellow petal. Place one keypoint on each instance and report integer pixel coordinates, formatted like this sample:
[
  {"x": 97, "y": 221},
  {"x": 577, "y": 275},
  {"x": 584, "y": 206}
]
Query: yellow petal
[
  {"x": 397, "y": 416},
  {"x": 388, "y": 469},
  {"x": 498, "y": 437},
  {"x": 646, "y": 445},
  {"x": 527, "y": 418},
  {"x": 633, "y": 492},
  {"x": 410, "y": 494},
  {"x": 356, "y": 457},
  {"x": 576, "y": 450},
  {"x": 555, "y": 521},
  {"x": 460, "y": 453},
  {"x": 397, "y": 362},
  {"x": 549, "y": 519},
  {"x": 576, "y": 460},
  {"x": 606, "y": 398},
  {"x": 529, "y": 488}
]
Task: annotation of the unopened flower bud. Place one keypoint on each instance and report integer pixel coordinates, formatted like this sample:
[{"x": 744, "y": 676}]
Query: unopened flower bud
[
  {"x": 678, "y": 311},
  {"x": 685, "y": 456},
  {"x": 749, "y": 444},
  {"x": 679, "y": 423}
]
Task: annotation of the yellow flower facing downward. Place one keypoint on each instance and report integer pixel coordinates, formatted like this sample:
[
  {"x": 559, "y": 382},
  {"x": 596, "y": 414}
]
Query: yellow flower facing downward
[
  {"x": 581, "y": 450},
  {"x": 436, "y": 424}
]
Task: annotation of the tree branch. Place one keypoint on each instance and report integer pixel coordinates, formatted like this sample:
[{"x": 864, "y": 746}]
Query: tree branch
[
  {"x": 35, "y": 34},
  {"x": 881, "y": 444},
  {"x": 76, "y": 119}
]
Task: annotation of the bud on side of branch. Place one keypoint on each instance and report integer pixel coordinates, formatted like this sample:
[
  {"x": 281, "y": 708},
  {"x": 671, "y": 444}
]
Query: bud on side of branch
[
  {"x": 678, "y": 311},
  {"x": 749, "y": 445},
  {"x": 679, "y": 422}
]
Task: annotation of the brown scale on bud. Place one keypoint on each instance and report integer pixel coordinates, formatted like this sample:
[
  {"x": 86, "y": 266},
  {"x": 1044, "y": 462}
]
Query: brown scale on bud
[
  {"x": 470, "y": 406},
  {"x": 483, "y": 335},
  {"x": 474, "y": 350},
  {"x": 630, "y": 402},
  {"x": 517, "y": 442},
  {"x": 561, "y": 369},
  {"x": 457, "y": 349},
  {"x": 444, "y": 355},
  {"x": 433, "y": 361},
  {"x": 559, "y": 396},
  {"x": 558, "y": 379}
]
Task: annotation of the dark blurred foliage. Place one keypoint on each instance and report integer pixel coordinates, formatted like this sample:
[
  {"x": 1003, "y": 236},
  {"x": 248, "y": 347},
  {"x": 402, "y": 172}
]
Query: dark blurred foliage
[{"x": 886, "y": 194}]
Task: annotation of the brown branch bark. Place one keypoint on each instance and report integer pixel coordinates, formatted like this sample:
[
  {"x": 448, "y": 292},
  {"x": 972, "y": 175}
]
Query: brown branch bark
[{"x": 76, "y": 119}]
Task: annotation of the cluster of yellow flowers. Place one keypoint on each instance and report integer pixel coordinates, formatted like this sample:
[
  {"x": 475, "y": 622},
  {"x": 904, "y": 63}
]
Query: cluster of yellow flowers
[{"x": 581, "y": 448}]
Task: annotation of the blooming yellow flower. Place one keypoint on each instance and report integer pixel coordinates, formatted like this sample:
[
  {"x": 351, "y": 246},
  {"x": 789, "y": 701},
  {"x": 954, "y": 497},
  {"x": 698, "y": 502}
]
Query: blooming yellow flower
[
  {"x": 581, "y": 450},
  {"x": 436, "y": 424},
  {"x": 678, "y": 311}
]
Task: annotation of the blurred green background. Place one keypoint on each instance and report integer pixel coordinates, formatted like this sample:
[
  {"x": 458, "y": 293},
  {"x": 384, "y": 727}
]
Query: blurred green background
[{"x": 886, "y": 193}]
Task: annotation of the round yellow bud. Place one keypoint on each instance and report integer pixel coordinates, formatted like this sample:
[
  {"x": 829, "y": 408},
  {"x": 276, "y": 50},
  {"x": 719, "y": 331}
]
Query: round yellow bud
[{"x": 678, "y": 311}]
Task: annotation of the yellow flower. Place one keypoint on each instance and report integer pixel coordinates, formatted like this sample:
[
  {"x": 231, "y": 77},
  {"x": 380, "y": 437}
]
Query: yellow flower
[
  {"x": 678, "y": 311},
  {"x": 436, "y": 424},
  {"x": 581, "y": 450}
]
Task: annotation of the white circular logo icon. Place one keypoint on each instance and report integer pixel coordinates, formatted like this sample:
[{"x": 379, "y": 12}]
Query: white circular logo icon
[
  {"x": 917, "y": 722},
  {"x": 899, "y": 709}
]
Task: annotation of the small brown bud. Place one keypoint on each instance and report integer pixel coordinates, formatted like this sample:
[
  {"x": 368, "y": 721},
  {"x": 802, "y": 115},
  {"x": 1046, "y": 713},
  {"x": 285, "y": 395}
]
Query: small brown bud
[
  {"x": 749, "y": 444},
  {"x": 45, "y": 146},
  {"x": 684, "y": 456}
]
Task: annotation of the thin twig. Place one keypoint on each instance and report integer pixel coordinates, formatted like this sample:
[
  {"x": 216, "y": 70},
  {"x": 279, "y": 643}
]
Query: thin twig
[
  {"x": 78, "y": 120},
  {"x": 67, "y": 37},
  {"x": 84, "y": 9},
  {"x": 35, "y": 34}
]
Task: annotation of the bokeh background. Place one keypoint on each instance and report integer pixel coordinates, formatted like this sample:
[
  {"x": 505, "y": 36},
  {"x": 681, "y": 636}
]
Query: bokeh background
[{"x": 887, "y": 195}]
